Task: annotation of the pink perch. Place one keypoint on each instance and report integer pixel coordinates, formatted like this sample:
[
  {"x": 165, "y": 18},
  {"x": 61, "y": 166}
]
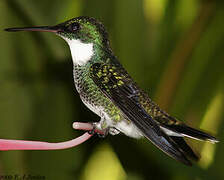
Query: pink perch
[{"x": 8, "y": 144}]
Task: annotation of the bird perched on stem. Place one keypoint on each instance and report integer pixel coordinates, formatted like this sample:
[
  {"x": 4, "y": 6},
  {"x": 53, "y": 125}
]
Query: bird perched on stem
[{"x": 107, "y": 89}]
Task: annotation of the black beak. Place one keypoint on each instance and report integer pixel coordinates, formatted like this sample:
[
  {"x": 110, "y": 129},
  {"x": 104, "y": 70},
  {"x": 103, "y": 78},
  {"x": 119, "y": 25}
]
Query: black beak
[{"x": 54, "y": 29}]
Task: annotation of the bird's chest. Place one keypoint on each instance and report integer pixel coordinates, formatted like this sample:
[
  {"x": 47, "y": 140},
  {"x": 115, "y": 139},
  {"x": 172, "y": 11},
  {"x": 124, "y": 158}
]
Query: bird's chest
[{"x": 89, "y": 93}]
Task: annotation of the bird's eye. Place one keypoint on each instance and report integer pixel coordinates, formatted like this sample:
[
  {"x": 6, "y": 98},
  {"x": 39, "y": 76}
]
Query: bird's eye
[{"x": 73, "y": 27}]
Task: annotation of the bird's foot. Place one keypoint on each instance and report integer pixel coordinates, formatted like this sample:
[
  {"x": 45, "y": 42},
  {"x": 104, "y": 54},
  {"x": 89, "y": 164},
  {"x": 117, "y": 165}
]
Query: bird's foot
[
  {"x": 102, "y": 133},
  {"x": 93, "y": 130}
]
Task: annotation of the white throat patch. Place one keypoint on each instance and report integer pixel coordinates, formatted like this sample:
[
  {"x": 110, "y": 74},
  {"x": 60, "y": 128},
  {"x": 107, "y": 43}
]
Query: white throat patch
[{"x": 81, "y": 52}]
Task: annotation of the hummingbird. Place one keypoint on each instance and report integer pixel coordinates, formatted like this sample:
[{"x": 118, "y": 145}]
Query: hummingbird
[{"x": 107, "y": 89}]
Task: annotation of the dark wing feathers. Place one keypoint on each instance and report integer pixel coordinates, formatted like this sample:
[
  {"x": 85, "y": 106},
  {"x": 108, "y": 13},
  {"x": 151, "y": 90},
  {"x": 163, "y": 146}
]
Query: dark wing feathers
[
  {"x": 117, "y": 85},
  {"x": 187, "y": 149},
  {"x": 190, "y": 132}
]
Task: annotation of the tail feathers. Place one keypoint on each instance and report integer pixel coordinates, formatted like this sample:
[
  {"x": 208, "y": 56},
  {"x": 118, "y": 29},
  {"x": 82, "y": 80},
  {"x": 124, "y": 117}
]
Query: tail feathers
[
  {"x": 184, "y": 130},
  {"x": 185, "y": 148}
]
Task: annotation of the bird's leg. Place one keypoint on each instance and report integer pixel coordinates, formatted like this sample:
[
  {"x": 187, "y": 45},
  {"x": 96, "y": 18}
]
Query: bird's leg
[
  {"x": 106, "y": 131},
  {"x": 101, "y": 132},
  {"x": 93, "y": 130}
]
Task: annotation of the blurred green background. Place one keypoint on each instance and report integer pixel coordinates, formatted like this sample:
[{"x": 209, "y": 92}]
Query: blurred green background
[{"x": 174, "y": 49}]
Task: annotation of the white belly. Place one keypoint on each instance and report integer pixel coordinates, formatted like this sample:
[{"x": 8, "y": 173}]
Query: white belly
[{"x": 128, "y": 129}]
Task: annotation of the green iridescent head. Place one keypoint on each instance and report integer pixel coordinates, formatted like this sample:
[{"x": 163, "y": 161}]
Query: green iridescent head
[{"x": 85, "y": 29}]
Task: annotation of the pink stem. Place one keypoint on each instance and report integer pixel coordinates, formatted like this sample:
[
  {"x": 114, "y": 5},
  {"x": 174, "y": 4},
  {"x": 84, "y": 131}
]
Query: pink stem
[
  {"x": 7, "y": 144},
  {"x": 86, "y": 127}
]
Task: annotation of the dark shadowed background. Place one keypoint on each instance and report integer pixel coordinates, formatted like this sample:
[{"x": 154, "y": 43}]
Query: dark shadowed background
[{"x": 174, "y": 49}]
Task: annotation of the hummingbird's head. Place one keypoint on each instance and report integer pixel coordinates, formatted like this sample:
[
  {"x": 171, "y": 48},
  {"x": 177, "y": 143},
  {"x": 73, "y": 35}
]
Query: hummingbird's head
[
  {"x": 85, "y": 29},
  {"x": 81, "y": 33}
]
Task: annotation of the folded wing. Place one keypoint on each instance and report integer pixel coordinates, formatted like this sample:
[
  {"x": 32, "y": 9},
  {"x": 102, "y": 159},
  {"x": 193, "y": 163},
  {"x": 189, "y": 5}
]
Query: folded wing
[{"x": 117, "y": 85}]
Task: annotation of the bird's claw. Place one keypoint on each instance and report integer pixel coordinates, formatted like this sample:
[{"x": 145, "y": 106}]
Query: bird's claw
[
  {"x": 104, "y": 134},
  {"x": 93, "y": 130},
  {"x": 101, "y": 133}
]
